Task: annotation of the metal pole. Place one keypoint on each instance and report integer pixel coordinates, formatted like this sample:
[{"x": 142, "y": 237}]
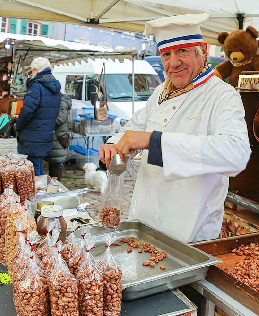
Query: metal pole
[{"x": 133, "y": 84}]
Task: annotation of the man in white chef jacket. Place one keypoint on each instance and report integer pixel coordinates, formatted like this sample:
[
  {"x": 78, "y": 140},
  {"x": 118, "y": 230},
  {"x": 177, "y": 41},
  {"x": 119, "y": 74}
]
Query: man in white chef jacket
[{"x": 193, "y": 135}]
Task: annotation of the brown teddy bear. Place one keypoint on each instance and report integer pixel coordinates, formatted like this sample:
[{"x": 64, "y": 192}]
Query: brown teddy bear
[{"x": 241, "y": 48}]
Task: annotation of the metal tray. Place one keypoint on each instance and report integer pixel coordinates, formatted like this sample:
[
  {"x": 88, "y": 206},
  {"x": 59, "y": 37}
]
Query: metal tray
[
  {"x": 226, "y": 282},
  {"x": 184, "y": 264}
]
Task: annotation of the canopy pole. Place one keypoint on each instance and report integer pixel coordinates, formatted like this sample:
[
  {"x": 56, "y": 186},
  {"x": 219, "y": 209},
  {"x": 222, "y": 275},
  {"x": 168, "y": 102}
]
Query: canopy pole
[
  {"x": 240, "y": 18},
  {"x": 133, "y": 84}
]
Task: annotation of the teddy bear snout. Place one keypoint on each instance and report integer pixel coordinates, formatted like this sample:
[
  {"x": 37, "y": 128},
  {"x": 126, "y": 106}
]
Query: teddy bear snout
[{"x": 237, "y": 57}]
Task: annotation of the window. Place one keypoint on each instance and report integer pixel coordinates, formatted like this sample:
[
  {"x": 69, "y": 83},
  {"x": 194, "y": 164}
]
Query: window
[
  {"x": 4, "y": 25},
  {"x": 91, "y": 84},
  {"x": 74, "y": 86},
  {"x": 119, "y": 86},
  {"x": 33, "y": 29},
  {"x": 13, "y": 23},
  {"x": 44, "y": 29}
]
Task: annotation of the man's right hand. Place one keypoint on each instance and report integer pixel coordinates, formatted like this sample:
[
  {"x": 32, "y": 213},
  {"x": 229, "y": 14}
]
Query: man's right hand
[{"x": 106, "y": 152}]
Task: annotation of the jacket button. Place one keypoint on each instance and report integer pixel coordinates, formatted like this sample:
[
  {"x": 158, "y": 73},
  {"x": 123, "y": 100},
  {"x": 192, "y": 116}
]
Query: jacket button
[
  {"x": 165, "y": 120},
  {"x": 174, "y": 107}
]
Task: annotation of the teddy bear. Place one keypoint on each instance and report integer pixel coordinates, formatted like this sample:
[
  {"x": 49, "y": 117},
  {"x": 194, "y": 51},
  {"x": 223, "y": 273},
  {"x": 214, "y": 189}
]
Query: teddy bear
[{"x": 240, "y": 47}]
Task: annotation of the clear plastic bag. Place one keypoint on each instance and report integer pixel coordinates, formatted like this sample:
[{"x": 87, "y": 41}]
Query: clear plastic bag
[
  {"x": 23, "y": 214},
  {"x": 7, "y": 199},
  {"x": 110, "y": 215},
  {"x": 71, "y": 243},
  {"x": 31, "y": 295},
  {"x": 90, "y": 283},
  {"x": 25, "y": 181},
  {"x": 62, "y": 288},
  {"x": 112, "y": 283}
]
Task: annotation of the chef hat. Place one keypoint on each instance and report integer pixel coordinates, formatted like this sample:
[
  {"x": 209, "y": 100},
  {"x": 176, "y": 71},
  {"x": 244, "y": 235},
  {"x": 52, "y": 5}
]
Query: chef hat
[{"x": 176, "y": 31}]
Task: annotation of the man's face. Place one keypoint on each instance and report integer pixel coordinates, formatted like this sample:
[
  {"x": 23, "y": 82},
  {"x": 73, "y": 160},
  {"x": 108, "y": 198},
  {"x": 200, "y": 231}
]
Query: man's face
[{"x": 182, "y": 65}]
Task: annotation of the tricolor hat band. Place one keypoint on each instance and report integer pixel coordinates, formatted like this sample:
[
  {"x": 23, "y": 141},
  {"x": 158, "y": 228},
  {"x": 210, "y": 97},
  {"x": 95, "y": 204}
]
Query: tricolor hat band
[{"x": 178, "y": 42}]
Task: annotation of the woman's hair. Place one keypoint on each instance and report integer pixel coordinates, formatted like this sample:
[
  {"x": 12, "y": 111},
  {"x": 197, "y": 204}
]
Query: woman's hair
[{"x": 40, "y": 63}]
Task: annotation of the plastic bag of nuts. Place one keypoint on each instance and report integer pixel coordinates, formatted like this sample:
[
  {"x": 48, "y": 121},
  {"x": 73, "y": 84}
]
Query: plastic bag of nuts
[
  {"x": 8, "y": 175},
  {"x": 90, "y": 283},
  {"x": 71, "y": 243},
  {"x": 110, "y": 215},
  {"x": 32, "y": 295},
  {"x": 62, "y": 288},
  {"x": 25, "y": 181},
  {"x": 7, "y": 199},
  {"x": 112, "y": 281},
  {"x": 11, "y": 237}
]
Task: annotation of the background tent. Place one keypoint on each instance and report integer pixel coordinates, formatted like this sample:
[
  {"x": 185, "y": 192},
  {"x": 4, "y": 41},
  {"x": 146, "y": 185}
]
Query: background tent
[{"x": 131, "y": 15}]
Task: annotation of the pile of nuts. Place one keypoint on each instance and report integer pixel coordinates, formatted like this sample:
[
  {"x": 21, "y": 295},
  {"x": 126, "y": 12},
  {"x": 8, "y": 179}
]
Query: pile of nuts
[
  {"x": 156, "y": 256},
  {"x": 90, "y": 292},
  {"x": 247, "y": 270},
  {"x": 110, "y": 217},
  {"x": 112, "y": 289},
  {"x": 63, "y": 295}
]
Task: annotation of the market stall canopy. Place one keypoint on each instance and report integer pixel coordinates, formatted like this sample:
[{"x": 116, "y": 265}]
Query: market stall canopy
[
  {"x": 131, "y": 15},
  {"x": 27, "y": 47}
]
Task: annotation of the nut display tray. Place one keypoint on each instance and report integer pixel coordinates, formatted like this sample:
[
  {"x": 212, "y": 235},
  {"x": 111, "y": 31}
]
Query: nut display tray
[{"x": 184, "y": 264}]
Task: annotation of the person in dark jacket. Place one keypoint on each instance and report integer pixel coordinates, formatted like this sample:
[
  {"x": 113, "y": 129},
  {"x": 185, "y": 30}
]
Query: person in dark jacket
[
  {"x": 36, "y": 122},
  {"x": 59, "y": 154}
]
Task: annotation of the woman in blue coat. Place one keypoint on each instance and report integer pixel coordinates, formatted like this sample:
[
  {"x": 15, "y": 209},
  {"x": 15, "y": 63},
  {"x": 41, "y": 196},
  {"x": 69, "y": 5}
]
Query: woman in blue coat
[{"x": 36, "y": 122}]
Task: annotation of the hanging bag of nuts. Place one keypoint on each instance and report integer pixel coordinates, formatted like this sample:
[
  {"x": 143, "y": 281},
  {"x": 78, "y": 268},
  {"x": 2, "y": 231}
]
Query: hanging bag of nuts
[
  {"x": 110, "y": 214},
  {"x": 31, "y": 296},
  {"x": 112, "y": 281},
  {"x": 63, "y": 288},
  {"x": 90, "y": 283}
]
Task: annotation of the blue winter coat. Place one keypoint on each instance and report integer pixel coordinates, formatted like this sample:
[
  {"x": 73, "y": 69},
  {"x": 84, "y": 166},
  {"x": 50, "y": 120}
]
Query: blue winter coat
[{"x": 36, "y": 122}]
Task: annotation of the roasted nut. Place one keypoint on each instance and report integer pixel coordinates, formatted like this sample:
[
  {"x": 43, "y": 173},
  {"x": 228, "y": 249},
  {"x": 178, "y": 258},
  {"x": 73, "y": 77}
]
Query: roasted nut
[
  {"x": 129, "y": 250},
  {"x": 162, "y": 267}
]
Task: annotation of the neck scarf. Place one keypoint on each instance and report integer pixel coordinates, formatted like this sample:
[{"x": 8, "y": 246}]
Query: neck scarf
[{"x": 170, "y": 92}]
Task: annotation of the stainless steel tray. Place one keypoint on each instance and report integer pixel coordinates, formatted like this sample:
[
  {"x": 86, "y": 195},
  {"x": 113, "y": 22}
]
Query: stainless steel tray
[{"x": 184, "y": 263}]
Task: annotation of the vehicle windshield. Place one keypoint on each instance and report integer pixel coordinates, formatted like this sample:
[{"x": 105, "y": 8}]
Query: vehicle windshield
[{"x": 119, "y": 86}]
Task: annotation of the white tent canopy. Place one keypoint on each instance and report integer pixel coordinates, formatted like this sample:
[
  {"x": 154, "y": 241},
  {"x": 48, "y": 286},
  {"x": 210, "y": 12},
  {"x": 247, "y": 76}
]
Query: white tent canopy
[
  {"x": 131, "y": 15},
  {"x": 27, "y": 47}
]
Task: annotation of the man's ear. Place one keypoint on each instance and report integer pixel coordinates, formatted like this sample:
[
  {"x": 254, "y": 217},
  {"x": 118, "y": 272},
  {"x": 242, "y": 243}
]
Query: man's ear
[{"x": 204, "y": 47}]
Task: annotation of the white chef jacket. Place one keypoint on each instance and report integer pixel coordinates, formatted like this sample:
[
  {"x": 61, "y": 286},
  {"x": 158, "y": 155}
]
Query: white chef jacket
[{"x": 204, "y": 141}]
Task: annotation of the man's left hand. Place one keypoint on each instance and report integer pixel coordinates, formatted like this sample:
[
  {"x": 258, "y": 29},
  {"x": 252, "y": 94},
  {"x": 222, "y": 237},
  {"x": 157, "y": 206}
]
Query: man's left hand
[{"x": 131, "y": 141}]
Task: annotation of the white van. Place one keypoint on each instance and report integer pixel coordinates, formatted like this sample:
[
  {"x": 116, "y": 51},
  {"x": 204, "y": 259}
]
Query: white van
[{"x": 79, "y": 80}]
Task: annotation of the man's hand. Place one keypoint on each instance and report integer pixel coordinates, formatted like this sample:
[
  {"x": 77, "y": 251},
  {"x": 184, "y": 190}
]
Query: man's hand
[
  {"x": 106, "y": 152},
  {"x": 131, "y": 141}
]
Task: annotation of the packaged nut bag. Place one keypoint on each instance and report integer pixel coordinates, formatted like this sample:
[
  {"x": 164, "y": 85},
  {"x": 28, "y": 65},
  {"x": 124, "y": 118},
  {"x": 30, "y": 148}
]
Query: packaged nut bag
[
  {"x": 62, "y": 288},
  {"x": 77, "y": 253},
  {"x": 112, "y": 281},
  {"x": 42, "y": 249},
  {"x": 8, "y": 175},
  {"x": 109, "y": 215},
  {"x": 50, "y": 251},
  {"x": 7, "y": 199},
  {"x": 71, "y": 243},
  {"x": 25, "y": 181},
  {"x": 32, "y": 295},
  {"x": 90, "y": 283},
  {"x": 24, "y": 214},
  {"x": 23, "y": 251}
]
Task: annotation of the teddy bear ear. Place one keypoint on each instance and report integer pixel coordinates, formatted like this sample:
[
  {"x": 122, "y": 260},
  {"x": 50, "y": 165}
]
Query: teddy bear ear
[
  {"x": 252, "y": 30},
  {"x": 222, "y": 37}
]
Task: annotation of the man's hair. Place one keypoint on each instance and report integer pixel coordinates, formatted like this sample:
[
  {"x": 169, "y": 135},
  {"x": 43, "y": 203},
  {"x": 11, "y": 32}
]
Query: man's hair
[
  {"x": 199, "y": 51},
  {"x": 40, "y": 63}
]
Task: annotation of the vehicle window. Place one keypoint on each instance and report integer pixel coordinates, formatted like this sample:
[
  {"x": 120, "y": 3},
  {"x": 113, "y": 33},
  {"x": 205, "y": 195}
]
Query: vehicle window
[
  {"x": 74, "y": 86},
  {"x": 119, "y": 86},
  {"x": 91, "y": 84}
]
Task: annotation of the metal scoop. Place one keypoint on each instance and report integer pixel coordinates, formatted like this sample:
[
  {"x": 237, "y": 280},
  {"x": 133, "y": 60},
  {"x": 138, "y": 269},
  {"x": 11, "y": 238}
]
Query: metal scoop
[{"x": 117, "y": 165}]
